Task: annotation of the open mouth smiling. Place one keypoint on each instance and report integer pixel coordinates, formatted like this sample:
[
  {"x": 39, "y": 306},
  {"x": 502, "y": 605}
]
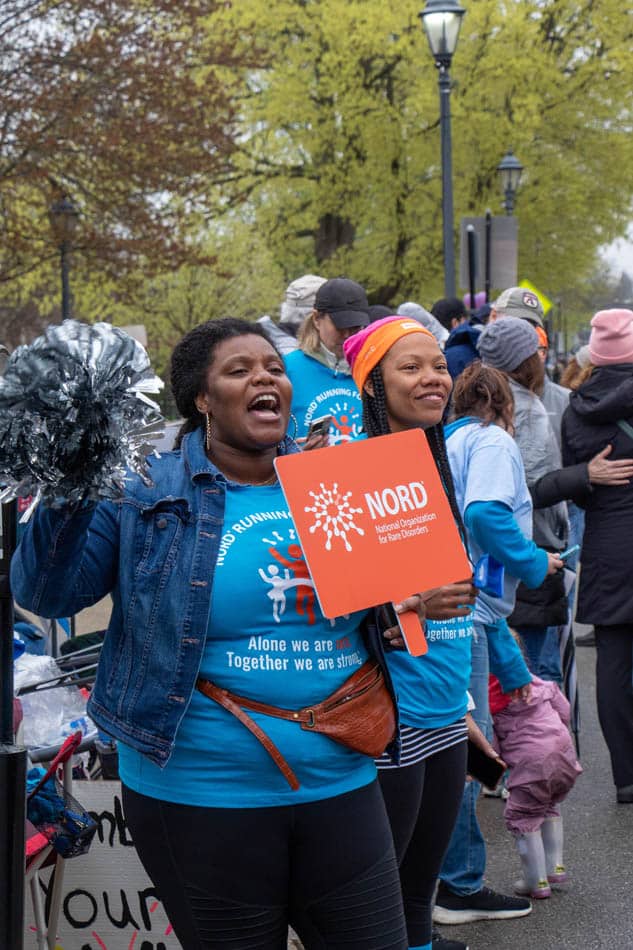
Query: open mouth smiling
[{"x": 265, "y": 405}]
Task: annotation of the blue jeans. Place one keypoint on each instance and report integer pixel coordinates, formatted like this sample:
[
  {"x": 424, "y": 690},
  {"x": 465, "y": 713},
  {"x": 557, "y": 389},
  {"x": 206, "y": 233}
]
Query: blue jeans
[
  {"x": 543, "y": 652},
  {"x": 465, "y": 860}
]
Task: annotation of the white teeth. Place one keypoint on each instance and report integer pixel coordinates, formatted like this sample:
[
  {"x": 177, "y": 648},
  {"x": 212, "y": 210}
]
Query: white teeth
[{"x": 264, "y": 402}]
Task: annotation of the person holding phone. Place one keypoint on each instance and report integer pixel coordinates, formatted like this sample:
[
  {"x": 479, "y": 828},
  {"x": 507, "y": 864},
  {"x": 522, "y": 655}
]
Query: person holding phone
[
  {"x": 404, "y": 381},
  {"x": 495, "y": 502},
  {"x": 320, "y": 375},
  {"x": 318, "y": 436},
  {"x": 510, "y": 345}
]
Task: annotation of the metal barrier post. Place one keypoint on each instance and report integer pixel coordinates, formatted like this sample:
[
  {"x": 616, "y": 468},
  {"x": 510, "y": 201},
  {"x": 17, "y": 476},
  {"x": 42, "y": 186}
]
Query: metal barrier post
[{"x": 12, "y": 760}]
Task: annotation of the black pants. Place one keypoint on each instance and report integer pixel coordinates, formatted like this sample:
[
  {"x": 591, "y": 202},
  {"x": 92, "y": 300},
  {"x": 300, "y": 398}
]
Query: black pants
[
  {"x": 234, "y": 878},
  {"x": 614, "y": 689},
  {"x": 422, "y": 802}
]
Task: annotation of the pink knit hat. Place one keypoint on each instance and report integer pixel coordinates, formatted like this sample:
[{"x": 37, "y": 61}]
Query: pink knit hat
[{"x": 611, "y": 339}]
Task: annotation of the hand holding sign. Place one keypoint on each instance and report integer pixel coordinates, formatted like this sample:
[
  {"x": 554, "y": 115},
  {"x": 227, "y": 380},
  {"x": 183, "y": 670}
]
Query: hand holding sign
[
  {"x": 453, "y": 600},
  {"x": 442, "y": 603},
  {"x": 404, "y": 623}
]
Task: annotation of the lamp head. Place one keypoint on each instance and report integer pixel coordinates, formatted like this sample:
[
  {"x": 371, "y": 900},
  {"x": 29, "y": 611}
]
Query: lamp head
[
  {"x": 441, "y": 21},
  {"x": 64, "y": 217},
  {"x": 510, "y": 169}
]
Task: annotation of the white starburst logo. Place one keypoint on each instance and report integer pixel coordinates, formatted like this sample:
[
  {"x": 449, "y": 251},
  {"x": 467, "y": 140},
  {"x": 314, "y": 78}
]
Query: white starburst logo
[{"x": 333, "y": 515}]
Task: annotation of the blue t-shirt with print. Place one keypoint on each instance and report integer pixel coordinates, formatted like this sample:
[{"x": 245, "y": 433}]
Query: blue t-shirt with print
[
  {"x": 317, "y": 391},
  {"x": 267, "y": 640},
  {"x": 431, "y": 689},
  {"x": 486, "y": 466}
]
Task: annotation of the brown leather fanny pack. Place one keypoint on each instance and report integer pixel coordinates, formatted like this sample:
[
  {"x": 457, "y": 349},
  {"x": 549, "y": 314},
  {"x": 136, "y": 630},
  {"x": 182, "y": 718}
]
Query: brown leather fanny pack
[{"x": 360, "y": 714}]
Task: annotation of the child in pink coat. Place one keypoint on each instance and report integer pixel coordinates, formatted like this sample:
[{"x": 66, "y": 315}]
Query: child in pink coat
[{"x": 532, "y": 736}]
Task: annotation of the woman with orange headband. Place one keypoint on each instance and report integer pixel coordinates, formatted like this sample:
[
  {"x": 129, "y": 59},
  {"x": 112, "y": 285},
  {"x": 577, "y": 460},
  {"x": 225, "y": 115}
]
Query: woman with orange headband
[{"x": 404, "y": 382}]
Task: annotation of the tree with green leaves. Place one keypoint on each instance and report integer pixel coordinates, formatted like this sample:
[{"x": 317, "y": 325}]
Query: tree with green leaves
[
  {"x": 311, "y": 127},
  {"x": 243, "y": 282},
  {"x": 339, "y": 157}
]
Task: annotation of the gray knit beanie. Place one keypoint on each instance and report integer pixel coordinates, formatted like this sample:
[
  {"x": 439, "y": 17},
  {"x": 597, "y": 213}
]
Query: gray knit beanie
[
  {"x": 422, "y": 315},
  {"x": 507, "y": 342}
]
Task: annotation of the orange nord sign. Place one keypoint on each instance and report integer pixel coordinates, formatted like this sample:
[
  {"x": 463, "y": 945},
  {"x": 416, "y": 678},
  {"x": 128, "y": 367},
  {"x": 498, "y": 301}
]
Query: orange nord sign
[{"x": 373, "y": 520}]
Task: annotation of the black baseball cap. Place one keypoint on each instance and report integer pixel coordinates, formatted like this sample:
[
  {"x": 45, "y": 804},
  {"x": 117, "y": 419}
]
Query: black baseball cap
[{"x": 345, "y": 301}]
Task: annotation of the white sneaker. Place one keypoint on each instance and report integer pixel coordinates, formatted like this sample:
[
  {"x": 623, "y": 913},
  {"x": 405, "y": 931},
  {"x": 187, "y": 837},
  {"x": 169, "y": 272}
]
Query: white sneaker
[
  {"x": 499, "y": 792},
  {"x": 541, "y": 891}
]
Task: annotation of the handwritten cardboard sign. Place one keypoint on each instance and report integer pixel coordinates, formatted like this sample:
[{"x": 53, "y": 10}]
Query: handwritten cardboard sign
[
  {"x": 108, "y": 902},
  {"x": 374, "y": 521}
]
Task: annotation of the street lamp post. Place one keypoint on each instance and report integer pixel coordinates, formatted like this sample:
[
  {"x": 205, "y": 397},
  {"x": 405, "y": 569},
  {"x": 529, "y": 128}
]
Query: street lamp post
[
  {"x": 64, "y": 216},
  {"x": 441, "y": 20},
  {"x": 509, "y": 170}
]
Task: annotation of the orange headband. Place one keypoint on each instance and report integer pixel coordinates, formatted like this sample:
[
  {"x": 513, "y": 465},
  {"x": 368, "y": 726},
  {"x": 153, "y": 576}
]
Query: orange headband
[
  {"x": 542, "y": 337},
  {"x": 379, "y": 342}
]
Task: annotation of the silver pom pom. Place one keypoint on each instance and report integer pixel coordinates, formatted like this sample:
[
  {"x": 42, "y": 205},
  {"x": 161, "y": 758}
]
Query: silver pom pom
[{"x": 74, "y": 414}]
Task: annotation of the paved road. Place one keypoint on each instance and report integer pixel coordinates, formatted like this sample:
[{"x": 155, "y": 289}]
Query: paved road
[{"x": 594, "y": 911}]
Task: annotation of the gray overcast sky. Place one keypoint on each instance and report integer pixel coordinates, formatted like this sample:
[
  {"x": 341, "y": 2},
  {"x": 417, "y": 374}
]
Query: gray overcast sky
[{"x": 620, "y": 254}]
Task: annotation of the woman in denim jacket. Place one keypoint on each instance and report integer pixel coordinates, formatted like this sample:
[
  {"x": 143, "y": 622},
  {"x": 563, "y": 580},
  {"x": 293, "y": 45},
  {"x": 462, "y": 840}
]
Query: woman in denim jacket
[{"x": 208, "y": 580}]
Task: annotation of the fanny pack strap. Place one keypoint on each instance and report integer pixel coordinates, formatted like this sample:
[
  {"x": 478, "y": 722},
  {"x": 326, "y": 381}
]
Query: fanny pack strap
[
  {"x": 230, "y": 702},
  {"x": 291, "y": 715}
]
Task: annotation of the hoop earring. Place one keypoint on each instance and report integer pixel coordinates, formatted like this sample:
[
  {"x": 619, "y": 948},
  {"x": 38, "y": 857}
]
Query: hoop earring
[
  {"x": 291, "y": 418},
  {"x": 208, "y": 431}
]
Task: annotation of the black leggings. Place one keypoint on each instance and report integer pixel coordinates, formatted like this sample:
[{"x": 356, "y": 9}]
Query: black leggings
[
  {"x": 614, "y": 690},
  {"x": 235, "y": 878},
  {"x": 423, "y": 801}
]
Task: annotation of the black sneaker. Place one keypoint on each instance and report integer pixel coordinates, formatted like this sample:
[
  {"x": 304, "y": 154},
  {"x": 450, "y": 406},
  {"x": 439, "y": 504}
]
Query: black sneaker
[
  {"x": 485, "y": 904},
  {"x": 441, "y": 943}
]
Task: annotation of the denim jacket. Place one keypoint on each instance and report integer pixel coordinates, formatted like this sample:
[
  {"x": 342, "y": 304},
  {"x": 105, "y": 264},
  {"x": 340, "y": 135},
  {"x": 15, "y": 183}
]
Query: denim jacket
[{"x": 155, "y": 551}]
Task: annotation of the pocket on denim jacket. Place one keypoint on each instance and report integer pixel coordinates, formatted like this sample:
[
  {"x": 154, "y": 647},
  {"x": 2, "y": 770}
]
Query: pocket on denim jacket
[{"x": 159, "y": 533}]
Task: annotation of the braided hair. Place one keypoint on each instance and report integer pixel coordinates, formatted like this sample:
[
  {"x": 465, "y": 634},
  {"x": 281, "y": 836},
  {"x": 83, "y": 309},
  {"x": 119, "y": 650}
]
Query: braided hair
[
  {"x": 190, "y": 362},
  {"x": 376, "y": 422}
]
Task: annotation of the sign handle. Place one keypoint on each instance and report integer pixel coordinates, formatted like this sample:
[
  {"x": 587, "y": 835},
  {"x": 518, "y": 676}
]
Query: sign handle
[{"x": 412, "y": 633}]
